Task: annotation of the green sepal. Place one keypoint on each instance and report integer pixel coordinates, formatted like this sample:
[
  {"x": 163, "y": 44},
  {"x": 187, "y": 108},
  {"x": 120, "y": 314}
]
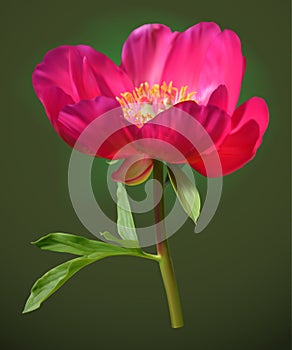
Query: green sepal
[
  {"x": 125, "y": 221},
  {"x": 186, "y": 191}
]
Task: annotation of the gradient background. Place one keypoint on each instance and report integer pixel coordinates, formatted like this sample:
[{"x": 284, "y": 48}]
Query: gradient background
[{"x": 233, "y": 277}]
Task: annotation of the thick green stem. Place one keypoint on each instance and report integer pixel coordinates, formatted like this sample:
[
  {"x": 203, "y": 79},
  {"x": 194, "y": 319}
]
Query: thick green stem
[{"x": 165, "y": 263}]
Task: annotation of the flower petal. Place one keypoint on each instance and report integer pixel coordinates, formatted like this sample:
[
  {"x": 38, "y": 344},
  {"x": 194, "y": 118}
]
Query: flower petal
[
  {"x": 105, "y": 136},
  {"x": 54, "y": 99},
  {"x": 236, "y": 150},
  {"x": 111, "y": 79},
  {"x": 224, "y": 64},
  {"x": 145, "y": 52},
  {"x": 253, "y": 109},
  {"x": 54, "y": 72},
  {"x": 187, "y": 55},
  {"x": 248, "y": 123},
  {"x": 134, "y": 170},
  {"x": 219, "y": 98},
  {"x": 82, "y": 75},
  {"x": 183, "y": 131},
  {"x": 216, "y": 122},
  {"x": 81, "y": 72}
]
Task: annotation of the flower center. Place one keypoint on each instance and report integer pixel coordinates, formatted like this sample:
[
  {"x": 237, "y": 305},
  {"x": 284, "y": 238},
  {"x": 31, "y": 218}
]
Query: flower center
[{"x": 145, "y": 102}]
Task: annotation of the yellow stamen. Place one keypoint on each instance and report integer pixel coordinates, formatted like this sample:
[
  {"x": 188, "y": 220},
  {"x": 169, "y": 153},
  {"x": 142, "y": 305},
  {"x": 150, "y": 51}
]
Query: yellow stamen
[{"x": 145, "y": 102}]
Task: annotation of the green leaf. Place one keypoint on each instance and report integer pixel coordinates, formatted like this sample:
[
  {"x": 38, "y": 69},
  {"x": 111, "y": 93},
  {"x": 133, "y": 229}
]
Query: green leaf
[
  {"x": 51, "y": 281},
  {"x": 186, "y": 192},
  {"x": 68, "y": 243},
  {"x": 125, "y": 222}
]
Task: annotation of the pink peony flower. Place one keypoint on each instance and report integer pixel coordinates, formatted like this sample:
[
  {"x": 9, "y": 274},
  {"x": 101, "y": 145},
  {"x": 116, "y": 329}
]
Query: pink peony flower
[{"x": 162, "y": 73}]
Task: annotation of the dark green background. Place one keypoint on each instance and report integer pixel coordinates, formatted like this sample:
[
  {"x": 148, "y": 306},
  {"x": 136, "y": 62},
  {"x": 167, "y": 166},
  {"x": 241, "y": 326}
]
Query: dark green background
[{"x": 233, "y": 277}]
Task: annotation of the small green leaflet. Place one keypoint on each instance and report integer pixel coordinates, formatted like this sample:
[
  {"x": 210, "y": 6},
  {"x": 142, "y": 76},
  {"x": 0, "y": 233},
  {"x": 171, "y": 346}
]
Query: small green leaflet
[
  {"x": 73, "y": 244},
  {"x": 186, "y": 192},
  {"x": 91, "y": 251},
  {"x": 125, "y": 221}
]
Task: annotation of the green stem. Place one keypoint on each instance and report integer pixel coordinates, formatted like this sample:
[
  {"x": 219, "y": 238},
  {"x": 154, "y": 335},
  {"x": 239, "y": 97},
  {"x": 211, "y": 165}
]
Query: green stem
[{"x": 165, "y": 263}]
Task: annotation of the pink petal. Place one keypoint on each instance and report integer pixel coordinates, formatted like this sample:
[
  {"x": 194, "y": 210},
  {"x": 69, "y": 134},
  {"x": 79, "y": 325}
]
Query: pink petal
[
  {"x": 54, "y": 99},
  {"x": 81, "y": 72},
  {"x": 111, "y": 79},
  {"x": 82, "y": 75},
  {"x": 236, "y": 150},
  {"x": 248, "y": 123},
  {"x": 254, "y": 109},
  {"x": 239, "y": 147},
  {"x": 215, "y": 121},
  {"x": 219, "y": 98},
  {"x": 186, "y": 58},
  {"x": 134, "y": 170},
  {"x": 54, "y": 72},
  {"x": 145, "y": 52},
  {"x": 100, "y": 138},
  {"x": 183, "y": 129},
  {"x": 223, "y": 65}
]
